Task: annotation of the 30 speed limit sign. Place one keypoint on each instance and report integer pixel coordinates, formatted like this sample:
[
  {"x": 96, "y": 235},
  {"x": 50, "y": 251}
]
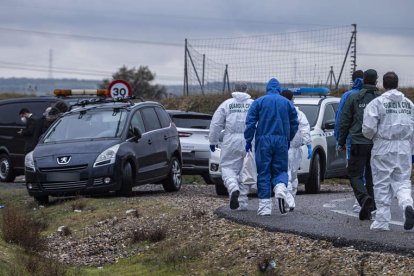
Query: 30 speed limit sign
[{"x": 119, "y": 89}]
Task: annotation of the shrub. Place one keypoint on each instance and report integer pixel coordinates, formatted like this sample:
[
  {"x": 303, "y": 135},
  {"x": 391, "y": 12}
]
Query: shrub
[{"x": 21, "y": 228}]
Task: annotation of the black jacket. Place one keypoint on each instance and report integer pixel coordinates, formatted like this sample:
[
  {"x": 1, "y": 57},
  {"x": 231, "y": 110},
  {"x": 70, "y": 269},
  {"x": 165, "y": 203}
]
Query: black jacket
[
  {"x": 353, "y": 114},
  {"x": 32, "y": 133}
]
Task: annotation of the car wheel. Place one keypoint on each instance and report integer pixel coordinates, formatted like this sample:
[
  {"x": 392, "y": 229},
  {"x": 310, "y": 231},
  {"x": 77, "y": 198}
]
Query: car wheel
[
  {"x": 42, "y": 200},
  {"x": 174, "y": 179},
  {"x": 127, "y": 181},
  {"x": 6, "y": 169},
  {"x": 207, "y": 179},
  {"x": 313, "y": 185},
  {"x": 221, "y": 190}
]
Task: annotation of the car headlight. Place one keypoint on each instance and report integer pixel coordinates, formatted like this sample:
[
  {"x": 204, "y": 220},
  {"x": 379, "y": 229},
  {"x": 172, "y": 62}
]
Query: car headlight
[
  {"x": 29, "y": 161},
  {"x": 107, "y": 157}
]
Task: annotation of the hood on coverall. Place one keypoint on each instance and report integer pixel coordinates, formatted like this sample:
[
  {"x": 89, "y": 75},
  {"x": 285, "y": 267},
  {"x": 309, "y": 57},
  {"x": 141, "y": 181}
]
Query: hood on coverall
[{"x": 273, "y": 86}]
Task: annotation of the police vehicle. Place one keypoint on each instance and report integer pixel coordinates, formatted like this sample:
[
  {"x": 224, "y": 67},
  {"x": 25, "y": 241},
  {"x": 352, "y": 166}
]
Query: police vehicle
[
  {"x": 108, "y": 145},
  {"x": 326, "y": 161}
]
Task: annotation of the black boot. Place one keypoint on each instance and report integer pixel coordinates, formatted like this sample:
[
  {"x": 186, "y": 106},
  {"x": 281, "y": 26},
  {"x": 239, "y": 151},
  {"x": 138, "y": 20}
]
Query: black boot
[
  {"x": 234, "y": 200},
  {"x": 409, "y": 218},
  {"x": 366, "y": 209}
]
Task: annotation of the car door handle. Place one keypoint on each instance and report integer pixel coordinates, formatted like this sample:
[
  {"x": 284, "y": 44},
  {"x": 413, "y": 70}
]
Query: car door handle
[{"x": 149, "y": 141}]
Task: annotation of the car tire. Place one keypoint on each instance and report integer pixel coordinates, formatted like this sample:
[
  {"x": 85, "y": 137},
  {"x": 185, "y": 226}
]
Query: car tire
[
  {"x": 313, "y": 185},
  {"x": 127, "y": 180},
  {"x": 42, "y": 199},
  {"x": 174, "y": 179},
  {"x": 221, "y": 190},
  {"x": 207, "y": 179},
  {"x": 6, "y": 169}
]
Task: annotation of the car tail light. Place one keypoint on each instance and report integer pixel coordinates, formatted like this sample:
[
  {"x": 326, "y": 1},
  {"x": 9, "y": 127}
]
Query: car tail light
[{"x": 184, "y": 134}]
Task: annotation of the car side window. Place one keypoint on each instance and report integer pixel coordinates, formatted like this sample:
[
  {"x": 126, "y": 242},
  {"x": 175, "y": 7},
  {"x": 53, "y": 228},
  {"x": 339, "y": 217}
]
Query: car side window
[
  {"x": 150, "y": 118},
  {"x": 163, "y": 116},
  {"x": 329, "y": 114},
  {"x": 137, "y": 122},
  {"x": 335, "y": 107}
]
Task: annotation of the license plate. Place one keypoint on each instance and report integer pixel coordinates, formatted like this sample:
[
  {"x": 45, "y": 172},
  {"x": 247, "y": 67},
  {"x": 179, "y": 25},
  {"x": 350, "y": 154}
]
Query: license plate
[{"x": 62, "y": 177}]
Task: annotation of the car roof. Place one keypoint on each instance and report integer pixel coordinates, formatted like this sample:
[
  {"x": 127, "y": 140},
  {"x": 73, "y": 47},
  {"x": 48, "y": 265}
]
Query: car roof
[
  {"x": 111, "y": 105},
  {"x": 314, "y": 100},
  {"x": 181, "y": 112}
]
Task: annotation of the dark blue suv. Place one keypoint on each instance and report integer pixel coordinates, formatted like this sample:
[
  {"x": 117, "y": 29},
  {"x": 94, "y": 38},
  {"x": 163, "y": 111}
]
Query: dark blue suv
[{"x": 105, "y": 147}]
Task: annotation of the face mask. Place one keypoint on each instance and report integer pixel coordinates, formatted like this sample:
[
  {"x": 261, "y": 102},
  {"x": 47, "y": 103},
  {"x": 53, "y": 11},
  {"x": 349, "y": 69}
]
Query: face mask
[{"x": 24, "y": 120}]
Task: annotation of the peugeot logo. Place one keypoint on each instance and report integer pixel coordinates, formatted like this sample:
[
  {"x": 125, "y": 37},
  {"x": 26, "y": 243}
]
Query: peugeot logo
[{"x": 63, "y": 160}]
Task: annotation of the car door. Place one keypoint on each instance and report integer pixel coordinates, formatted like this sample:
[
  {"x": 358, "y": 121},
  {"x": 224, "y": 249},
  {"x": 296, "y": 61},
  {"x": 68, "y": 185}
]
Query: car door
[
  {"x": 157, "y": 142},
  {"x": 141, "y": 148},
  {"x": 336, "y": 161}
]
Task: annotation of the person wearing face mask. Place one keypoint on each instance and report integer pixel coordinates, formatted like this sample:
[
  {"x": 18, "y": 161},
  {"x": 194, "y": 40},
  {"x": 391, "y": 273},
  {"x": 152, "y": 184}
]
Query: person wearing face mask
[{"x": 32, "y": 131}]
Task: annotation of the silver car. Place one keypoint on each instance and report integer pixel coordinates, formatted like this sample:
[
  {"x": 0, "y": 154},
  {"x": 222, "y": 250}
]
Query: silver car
[{"x": 193, "y": 130}]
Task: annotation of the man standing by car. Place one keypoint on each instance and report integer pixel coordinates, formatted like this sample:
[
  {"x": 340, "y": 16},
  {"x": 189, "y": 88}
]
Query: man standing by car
[
  {"x": 389, "y": 121},
  {"x": 230, "y": 116},
  {"x": 357, "y": 80},
  {"x": 359, "y": 163},
  {"x": 273, "y": 122},
  {"x": 32, "y": 131}
]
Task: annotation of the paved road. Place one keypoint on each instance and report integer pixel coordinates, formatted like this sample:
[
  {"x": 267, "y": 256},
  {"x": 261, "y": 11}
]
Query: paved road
[{"x": 329, "y": 216}]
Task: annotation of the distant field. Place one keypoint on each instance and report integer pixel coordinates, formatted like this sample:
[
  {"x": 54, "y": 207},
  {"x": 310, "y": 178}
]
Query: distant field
[{"x": 4, "y": 96}]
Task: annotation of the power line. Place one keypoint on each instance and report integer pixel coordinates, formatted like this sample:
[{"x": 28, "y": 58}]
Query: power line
[
  {"x": 97, "y": 38},
  {"x": 173, "y": 44},
  {"x": 73, "y": 71}
]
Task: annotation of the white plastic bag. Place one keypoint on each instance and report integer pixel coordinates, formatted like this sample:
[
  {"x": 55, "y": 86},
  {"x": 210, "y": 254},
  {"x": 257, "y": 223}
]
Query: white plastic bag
[{"x": 249, "y": 172}]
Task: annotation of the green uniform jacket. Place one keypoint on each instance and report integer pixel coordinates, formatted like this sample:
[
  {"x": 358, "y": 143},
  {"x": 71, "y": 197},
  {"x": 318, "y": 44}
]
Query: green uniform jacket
[{"x": 353, "y": 115}]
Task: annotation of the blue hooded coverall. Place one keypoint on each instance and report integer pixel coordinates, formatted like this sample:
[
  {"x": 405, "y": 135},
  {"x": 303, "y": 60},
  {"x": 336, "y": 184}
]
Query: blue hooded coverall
[
  {"x": 355, "y": 88},
  {"x": 277, "y": 124}
]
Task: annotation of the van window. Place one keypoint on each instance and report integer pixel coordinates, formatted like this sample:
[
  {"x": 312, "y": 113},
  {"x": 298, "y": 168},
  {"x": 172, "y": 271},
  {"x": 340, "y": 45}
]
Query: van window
[
  {"x": 9, "y": 113},
  {"x": 151, "y": 121},
  {"x": 329, "y": 114},
  {"x": 163, "y": 116}
]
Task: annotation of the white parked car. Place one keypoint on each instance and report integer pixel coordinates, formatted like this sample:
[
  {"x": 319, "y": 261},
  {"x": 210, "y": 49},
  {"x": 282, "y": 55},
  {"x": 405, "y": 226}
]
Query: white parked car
[
  {"x": 193, "y": 130},
  {"x": 326, "y": 162}
]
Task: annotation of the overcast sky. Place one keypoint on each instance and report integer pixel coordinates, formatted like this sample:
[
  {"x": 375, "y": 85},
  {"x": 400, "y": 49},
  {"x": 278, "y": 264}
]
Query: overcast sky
[{"x": 30, "y": 28}]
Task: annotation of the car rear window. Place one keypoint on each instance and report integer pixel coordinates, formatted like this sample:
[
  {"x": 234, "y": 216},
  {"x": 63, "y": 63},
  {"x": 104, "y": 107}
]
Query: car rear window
[{"x": 192, "y": 121}]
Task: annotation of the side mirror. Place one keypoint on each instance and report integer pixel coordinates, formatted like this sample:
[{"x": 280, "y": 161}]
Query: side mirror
[
  {"x": 329, "y": 124},
  {"x": 137, "y": 133}
]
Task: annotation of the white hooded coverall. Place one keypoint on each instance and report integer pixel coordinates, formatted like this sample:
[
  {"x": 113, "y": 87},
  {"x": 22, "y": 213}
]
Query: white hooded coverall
[
  {"x": 302, "y": 137},
  {"x": 230, "y": 116},
  {"x": 389, "y": 121}
]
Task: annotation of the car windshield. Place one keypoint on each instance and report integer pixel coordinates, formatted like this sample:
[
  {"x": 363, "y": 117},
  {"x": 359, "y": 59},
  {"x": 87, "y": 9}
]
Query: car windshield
[
  {"x": 311, "y": 112},
  {"x": 88, "y": 124},
  {"x": 192, "y": 121}
]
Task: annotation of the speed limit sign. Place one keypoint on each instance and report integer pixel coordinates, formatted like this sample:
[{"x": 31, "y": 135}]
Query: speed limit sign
[{"x": 119, "y": 89}]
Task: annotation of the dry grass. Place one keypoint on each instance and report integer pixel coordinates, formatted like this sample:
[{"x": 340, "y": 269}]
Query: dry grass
[
  {"x": 20, "y": 228},
  {"x": 36, "y": 265}
]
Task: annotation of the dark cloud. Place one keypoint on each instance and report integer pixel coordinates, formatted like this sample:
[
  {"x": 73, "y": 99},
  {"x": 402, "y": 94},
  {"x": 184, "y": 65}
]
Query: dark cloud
[{"x": 173, "y": 21}]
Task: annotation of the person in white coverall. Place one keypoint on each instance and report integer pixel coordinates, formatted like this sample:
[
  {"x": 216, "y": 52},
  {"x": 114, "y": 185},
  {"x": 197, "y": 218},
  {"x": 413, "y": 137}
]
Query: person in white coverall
[
  {"x": 230, "y": 116},
  {"x": 389, "y": 122},
  {"x": 302, "y": 137}
]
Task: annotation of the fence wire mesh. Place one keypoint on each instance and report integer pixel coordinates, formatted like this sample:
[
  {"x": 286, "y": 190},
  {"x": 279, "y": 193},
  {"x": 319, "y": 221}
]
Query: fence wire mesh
[{"x": 302, "y": 58}]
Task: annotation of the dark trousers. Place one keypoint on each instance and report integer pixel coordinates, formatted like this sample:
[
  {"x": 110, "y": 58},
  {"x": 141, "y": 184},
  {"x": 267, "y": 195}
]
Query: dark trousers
[{"x": 359, "y": 166}]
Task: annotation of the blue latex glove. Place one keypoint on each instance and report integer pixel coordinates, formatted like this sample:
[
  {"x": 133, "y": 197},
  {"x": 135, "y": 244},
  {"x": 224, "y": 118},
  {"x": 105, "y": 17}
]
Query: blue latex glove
[
  {"x": 213, "y": 148},
  {"x": 248, "y": 147},
  {"x": 412, "y": 159},
  {"x": 309, "y": 151}
]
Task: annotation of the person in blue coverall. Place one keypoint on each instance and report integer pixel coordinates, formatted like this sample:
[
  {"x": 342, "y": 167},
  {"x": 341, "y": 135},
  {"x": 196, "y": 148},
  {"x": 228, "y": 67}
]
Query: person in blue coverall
[
  {"x": 357, "y": 80},
  {"x": 273, "y": 122}
]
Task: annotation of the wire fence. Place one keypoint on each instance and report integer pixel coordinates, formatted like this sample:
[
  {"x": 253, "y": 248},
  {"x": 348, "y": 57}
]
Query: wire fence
[{"x": 304, "y": 58}]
